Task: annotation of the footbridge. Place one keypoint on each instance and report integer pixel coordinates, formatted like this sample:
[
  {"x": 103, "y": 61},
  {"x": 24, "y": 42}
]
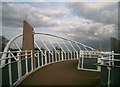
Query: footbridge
[{"x": 21, "y": 67}]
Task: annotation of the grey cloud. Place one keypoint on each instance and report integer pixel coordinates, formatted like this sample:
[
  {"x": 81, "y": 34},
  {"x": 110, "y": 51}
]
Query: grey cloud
[
  {"x": 106, "y": 12},
  {"x": 90, "y": 33},
  {"x": 13, "y": 15}
]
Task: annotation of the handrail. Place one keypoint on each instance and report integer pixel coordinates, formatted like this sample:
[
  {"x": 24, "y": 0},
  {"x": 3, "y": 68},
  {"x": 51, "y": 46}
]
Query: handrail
[{"x": 49, "y": 59}]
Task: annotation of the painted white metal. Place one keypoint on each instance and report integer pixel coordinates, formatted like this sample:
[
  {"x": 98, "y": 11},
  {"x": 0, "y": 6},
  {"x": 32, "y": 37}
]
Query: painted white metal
[
  {"x": 26, "y": 61},
  {"x": 17, "y": 46},
  {"x": 62, "y": 54},
  {"x": 55, "y": 56},
  {"x": 19, "y": 65},
  {"x": 39, "y": 48},
  {"x": 42, "y": 59},
  {"x": 82, "y": 64},
  {"x": 72, "y": 46},
  {"x": 109, "y": 77},
  {"x": 112, "y": 53},
  {"x": 52, "y": 57},
  {"x": 45, "y": 58},
  {"x": 59, "y": 45},
  {"x": 65, "y": 45},
  {"x": 68, "y": 54},
  {"x": 7, "y": 47},
  {"x": 82, "y": 55},
  {"x": 52, "y": 45},
  {"x": 38, "y": 58},
  {"x": 31, "y": 60},
  {"x": 10, "y": 71}
]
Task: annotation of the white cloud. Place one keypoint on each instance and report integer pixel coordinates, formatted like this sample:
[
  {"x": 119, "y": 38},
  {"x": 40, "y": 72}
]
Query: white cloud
[
  {"x": 106, "y": 12},
  {"x": 14, "y": 14},
  {"x": 82, "y": 24},
  {"x": 51, "y": 12}
]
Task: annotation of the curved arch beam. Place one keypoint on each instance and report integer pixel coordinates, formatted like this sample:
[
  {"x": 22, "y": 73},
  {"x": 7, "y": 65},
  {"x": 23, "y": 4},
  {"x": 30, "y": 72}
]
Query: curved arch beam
[
  {"x": 66, "y": 39},
  {"x": 13, "y": 39},
  {"x": 7, "y": 47}
]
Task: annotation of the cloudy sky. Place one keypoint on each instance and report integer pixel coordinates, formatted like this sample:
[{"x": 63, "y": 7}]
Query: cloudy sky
[{"x": 88, "y": 22}]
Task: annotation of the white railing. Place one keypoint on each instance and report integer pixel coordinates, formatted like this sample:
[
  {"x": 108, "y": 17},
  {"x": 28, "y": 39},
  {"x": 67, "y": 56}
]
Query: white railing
[
  {"x": 19, "y": 64},
  {"x": 110, "y": 61},
  {"x": 97, "y": 59},
  {"x": 88, "y": 60}
]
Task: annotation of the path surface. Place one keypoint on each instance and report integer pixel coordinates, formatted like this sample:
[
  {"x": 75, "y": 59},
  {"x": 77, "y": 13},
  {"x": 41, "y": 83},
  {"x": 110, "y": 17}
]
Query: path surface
[{"x": 62, "y": 73}]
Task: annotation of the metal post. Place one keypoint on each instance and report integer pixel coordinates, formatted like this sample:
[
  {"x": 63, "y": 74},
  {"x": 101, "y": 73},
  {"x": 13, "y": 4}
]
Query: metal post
[
  {"x": 65, "y": 55},
  {"x": 45, "y": 57},
  {"x": 41, "y": 59},
  {"x": 26, "y": 61},
  {"x": 10, "y": 71},
  {"x": 100, "y": 60},
  {"x": 109, "y": 76},
  {"x": 59, "y": 56},
  {"x": 62, "y": 54},
  {"x": 74, "y": 54},
  {"x": 112, "y": 58},
  {"x": 49, "y": 56},
  {"x": 19, "y": 66},
  {"x": 79, "y": 63},
  {"x": 38, "y": 58},
  {"x": 31, "y": 60},
  {"x": 52, "y": 57},
  {"x": 55, "y": 57},
  {"x": 109, "y": 71},
  {"x": 77, "y": 54}
]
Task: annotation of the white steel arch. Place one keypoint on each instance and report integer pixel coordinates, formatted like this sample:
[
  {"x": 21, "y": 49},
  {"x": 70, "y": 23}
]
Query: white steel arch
[{"x": 13, "y": 39}]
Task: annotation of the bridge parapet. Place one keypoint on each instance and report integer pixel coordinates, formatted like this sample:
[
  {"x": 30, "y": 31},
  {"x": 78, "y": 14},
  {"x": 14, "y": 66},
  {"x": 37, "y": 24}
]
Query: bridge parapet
[
  {"x": 19, "y": 64},
  {"x": 49, "y": 49}
]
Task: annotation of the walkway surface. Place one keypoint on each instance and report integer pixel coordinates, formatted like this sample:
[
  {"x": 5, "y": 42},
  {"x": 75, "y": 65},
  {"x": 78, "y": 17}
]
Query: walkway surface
[{"x": 62, "y": 73}]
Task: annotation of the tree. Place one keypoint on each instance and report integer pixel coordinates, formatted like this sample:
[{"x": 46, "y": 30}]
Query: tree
[{"x": 3, "y": 42}]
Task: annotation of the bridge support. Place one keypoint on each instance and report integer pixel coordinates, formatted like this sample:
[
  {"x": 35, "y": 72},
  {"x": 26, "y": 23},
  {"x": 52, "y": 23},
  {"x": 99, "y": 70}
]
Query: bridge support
[{"x": 28, "y": 40}]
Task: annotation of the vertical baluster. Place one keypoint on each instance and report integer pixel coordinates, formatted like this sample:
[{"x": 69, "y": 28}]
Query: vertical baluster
[
  {"x": 77, "y": 54},
  {"x": 79, "y": 63},
  {"x": 58, "y": 55},
  {"x": 71, "y": 54},
  {"x": 26, "y": 61},
  {"x": 112, "y": 58},
  {"x": 62, "y": 54},
  {"x": 19, "y": 65},
  {"x": 31, "y": 60},
  {"x": 65, "y": 55},
  {"x": 99, "y": 60},
  {"x": 52, "y": 56},
  {"x": 38, "y": 58},
  {"x": 55, "y": 56},
  {"x": 49, "y": 57},
  {"x": 109, "y": 76},
  {"x": 45, "y": 57},
  {"x": 10, "y": 71},
  {"x": 42, "y": 58}
]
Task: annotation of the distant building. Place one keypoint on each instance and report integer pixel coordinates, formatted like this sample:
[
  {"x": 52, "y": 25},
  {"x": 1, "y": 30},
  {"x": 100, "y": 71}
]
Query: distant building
[
  {"x": 100, "y": 46},
  {"x": 115, "y": 45}
]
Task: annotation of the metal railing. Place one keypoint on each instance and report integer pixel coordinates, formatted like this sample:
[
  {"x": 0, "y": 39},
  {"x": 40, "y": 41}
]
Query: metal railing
[{"x": 19, "y": 64}]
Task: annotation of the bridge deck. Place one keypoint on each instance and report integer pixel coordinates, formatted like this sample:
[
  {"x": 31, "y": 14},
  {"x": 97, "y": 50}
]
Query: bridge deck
[{"x": 62, "y": 73}]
